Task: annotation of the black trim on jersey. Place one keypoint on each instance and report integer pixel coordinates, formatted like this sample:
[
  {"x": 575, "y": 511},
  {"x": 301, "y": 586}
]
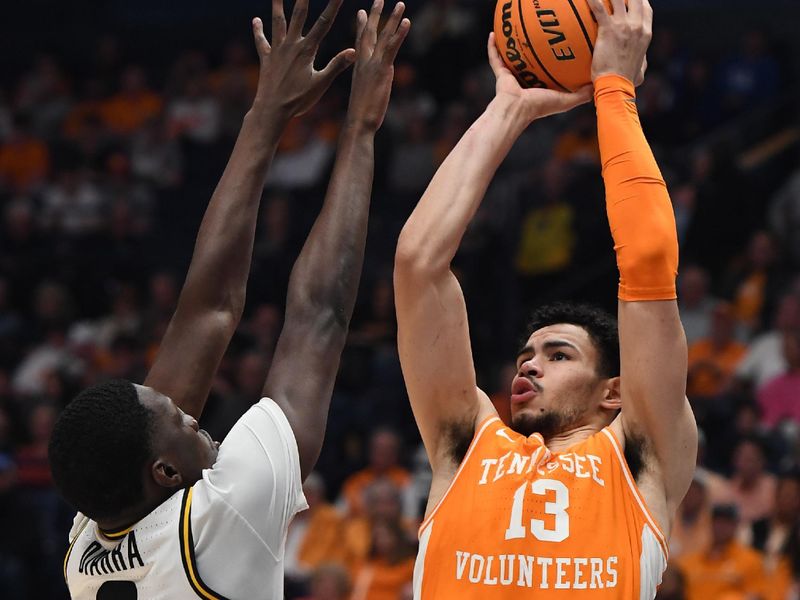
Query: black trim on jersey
[{"x": 187, "y": 546}]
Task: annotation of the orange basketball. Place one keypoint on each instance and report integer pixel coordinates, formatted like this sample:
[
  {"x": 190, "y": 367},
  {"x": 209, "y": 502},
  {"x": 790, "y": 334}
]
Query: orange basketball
[{"x": 547, "y": 43}]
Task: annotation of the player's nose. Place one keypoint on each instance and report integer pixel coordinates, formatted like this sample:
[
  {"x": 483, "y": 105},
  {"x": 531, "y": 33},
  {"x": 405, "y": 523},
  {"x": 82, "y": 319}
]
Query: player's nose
[
  {"x": 530, "y": 368},
  {"x": 193, "y": 423}
]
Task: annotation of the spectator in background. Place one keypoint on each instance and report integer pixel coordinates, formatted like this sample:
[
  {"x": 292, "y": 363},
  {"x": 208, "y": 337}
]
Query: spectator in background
[
  {"x": 390, "y": 566},
  {"x": 156, "y": 157},
  {"x": 771, "y": 536},
  {"x": 780, "y": 397},
  {"x": 692, "y": 526},
  {"x": 578, "y": 143},
  {"x": 383, "y": 503},
  {"x": 134, "y": 104},
  {"x": 726, "y": 568},
  {"x": 43, "y": 93},
  {"x": 315, "y": 535},
  {"x": 695, "y": 302},
  {"x": 384, "y": 463},
  {"x": 548, "y": 237},
  {"x": 713, "y": 359},
  {"x": 72, "y": 205},
  {"x": 765, "y": 359},
  {"x": 756, "y": 283},
  {"x": 784, "y": 217},
  {"x": 673, "y": 584},
  {"x": 752, "y": 486},
  {"x": 749, "y": 77},
  {"x": 329, "y": 582},
  {"x": 194, "y": 114},
  {"x": 24, "y": 159}
]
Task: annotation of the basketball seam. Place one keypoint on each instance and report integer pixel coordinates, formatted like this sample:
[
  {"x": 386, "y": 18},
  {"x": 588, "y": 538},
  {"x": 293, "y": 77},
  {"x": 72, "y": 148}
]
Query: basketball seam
[
  {"x": 583, "y": 27},
  {"x": 533, "y": 50}
]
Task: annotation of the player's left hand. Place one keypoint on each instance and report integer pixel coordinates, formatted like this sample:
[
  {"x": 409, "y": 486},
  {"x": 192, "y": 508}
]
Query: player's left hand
[
  {"x": 374, "y": 70},
  {"x": 536, "y": 102}
]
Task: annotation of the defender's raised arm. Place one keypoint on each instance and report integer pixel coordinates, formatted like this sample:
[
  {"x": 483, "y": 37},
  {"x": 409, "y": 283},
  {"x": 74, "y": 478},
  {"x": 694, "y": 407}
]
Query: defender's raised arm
[
  {"x": 324, "y": 280},
  {"x": 212, "y": 300}
]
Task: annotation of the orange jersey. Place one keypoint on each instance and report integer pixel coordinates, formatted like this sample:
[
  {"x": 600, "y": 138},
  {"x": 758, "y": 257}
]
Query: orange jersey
[{"x": 519, "y": 521}]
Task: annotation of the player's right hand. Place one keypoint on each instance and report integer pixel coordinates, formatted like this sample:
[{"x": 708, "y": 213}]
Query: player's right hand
[
  {"x": 534, "y": 103},
  {"x": 288, "y": 82},
  {"x": 622, "y": 38}
]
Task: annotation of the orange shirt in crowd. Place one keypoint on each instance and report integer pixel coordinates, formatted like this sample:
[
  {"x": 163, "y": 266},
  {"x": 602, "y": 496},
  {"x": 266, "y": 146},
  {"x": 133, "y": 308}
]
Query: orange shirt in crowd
[
  {"x": 379, "y": 580},
  {"x": 323, "y": 538},
  {"x": 353, "y": 488},
  {"x": 750, "y": 298},
  {"x": 781, "y": 583},
  {"x": 24, "y": 163},
  {"x": 688, "y": 537},
  {"x": 734, "y": 574},
  {"x": 710, "y": 367},
  {"x": 125, "y": 113}
]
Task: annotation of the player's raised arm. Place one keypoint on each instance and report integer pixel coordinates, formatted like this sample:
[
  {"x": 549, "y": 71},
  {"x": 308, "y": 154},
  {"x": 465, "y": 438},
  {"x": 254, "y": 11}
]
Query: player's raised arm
[
  {"x": 324, "y": 280},
  {"x": 433, "y": 335},
  {"x": 652, "y": 341},
  {"x": 212, "y": 299}
]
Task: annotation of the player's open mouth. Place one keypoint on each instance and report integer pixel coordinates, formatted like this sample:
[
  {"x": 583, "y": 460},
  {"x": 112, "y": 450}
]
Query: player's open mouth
[{"x": 522, "y": 390}]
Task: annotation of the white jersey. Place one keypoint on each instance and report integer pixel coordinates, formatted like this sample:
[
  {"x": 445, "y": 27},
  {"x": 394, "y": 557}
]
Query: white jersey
[{"x": 222, "y": 538}]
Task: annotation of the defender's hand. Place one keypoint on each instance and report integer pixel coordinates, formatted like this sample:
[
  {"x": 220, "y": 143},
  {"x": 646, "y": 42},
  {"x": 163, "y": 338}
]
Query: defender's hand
[
  {"x": 374, "y": 70},
  {"x": 287, "y": 80},
  {"x": 535, "y": 103},
  {"x": 622, "y": 39}
]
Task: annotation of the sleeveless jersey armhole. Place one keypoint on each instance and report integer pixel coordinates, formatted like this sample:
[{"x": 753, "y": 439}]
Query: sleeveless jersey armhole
[
  {"x": 481, "y": 428},
  {"x": 634, "y": 489}
]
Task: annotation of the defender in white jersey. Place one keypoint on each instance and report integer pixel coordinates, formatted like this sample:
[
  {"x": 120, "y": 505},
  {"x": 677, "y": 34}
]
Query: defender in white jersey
[{"x": 165, "y": 512}]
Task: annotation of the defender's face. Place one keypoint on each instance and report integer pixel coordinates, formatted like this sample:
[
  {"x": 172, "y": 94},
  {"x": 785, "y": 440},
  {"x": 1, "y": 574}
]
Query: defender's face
[
  {"x": 177, "y": 438},
  {"x": 556, "y": 383}
]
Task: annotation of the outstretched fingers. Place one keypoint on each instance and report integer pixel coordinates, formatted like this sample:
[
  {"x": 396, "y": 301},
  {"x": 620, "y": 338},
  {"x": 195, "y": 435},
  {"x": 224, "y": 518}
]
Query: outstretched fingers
[
  {"x": 397, "y": 39},
  {"x": 299, "y": 15},
  {"x": 361, "y": 24},
  {"x": 278, "y": 22},
  {"x": 324, "y": 22},
  {"x": 390, "y": 27},
  {"x": 371, "y": 32},
  {"x": 262, "y": 45}
]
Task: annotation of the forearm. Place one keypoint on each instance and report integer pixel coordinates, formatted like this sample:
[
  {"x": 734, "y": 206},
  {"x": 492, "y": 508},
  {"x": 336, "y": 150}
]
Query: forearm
[
  {"x": 433, "y": 233},
  {"x": 220, "y": 264},
  {"x": 325, "y": 277},
  {"x": 639, "y": 208}
]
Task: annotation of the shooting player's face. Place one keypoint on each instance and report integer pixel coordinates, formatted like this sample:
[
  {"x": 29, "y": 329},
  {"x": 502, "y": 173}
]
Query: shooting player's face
[
  {"x": 181, "y": 450},
  {"x": 556, "y": 386}
]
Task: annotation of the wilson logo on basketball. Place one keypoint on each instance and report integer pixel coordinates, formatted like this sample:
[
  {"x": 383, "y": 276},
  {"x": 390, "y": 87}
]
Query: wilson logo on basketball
[{"x": 547, "y": 43}]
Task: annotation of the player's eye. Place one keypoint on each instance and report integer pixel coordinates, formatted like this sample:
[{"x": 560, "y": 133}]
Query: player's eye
[{"x": 559, "y": 356}]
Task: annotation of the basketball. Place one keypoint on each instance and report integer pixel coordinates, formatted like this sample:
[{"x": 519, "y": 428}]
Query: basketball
[{"x": 547, "y": 43}]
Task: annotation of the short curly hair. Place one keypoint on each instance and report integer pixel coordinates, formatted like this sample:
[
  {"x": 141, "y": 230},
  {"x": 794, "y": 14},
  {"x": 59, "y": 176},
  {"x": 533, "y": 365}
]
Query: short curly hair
[
  {"x": 601, "y": 327},
  {"x": 98, "y": 448}
]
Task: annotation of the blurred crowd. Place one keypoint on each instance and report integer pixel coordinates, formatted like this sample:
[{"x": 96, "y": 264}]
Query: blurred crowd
[{"x": 105, "y": 172}]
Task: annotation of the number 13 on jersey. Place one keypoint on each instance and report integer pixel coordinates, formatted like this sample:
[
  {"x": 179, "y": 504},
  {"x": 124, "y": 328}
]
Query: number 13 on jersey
[{"x": 558, "y": 509}]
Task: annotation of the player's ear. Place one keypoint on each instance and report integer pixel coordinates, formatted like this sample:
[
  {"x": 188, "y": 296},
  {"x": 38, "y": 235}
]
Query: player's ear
[
  {"x": 165, "y": 474},
  {"x": 611, "y": 396}
]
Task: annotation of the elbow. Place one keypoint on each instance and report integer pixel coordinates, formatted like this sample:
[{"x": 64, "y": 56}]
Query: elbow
[{"x": 412, "y": 262}]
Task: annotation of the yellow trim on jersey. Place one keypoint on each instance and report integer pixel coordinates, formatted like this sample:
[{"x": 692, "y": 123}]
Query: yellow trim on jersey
[
  {"x": 116, "y": 535},
  {"x": 69, "y": 551},
  {"x": 187, "y": 551}
]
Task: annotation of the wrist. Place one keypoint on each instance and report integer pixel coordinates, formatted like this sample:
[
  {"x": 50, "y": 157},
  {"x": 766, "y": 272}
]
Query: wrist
[
  {"x": 359, "y": 126},
  {"x": 511, "y": 110}
]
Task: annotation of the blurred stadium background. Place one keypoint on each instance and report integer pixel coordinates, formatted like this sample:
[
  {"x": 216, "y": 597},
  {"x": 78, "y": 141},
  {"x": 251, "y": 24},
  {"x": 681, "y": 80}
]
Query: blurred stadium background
[{"x": 116, "y": 119}]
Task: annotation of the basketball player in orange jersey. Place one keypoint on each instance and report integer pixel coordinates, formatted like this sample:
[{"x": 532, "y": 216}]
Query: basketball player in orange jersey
[{"x": 576, "y": 498}]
